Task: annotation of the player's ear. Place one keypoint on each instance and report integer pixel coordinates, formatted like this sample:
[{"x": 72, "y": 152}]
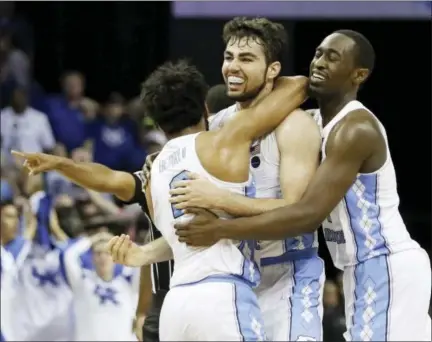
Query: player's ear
[
  {"x": 273, "y": 70},
  {"x": 360, "y": 75}
]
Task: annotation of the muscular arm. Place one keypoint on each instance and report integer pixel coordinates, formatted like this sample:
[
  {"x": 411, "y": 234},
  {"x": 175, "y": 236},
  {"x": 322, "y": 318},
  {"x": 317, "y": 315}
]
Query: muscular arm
[
  {"x": 347, "y": 148},
  {"x": 156, "y": 251},
  {"x": 266, "y": 115},
  {"x": 98, "y": 177},
  {"x": 299, "y": 141}
]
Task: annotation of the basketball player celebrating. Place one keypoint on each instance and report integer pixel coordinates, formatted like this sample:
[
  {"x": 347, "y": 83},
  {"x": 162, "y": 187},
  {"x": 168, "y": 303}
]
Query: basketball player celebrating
[
  {"x": 387, "y": 276},
  {"x": 282, "y": 164},
  {"x": 221, "y": 275}
]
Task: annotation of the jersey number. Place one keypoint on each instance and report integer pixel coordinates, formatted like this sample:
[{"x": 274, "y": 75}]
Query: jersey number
[{"x": 178, "y": 177}]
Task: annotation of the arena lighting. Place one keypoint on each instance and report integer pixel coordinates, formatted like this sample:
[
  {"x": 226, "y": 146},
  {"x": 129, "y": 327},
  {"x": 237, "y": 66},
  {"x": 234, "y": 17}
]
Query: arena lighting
[{"x": 304, "y": 9}]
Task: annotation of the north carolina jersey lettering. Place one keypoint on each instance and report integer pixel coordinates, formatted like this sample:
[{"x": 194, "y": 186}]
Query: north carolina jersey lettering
[
  {"x": 194, "y": 264},
  {"x": 367, "y": 222},
  {"x": 264, "y": 166}
]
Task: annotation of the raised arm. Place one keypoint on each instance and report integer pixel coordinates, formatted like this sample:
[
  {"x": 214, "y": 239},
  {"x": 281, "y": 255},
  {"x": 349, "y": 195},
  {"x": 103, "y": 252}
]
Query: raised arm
[
  {"x": 298, "y": 143},
  {"x": 289, "y": 93},
  {"x": 88, "y": 175},
  {"x": 70, "y": 265}
]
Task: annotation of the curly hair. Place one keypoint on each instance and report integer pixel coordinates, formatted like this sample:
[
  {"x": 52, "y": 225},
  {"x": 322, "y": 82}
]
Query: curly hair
[
  {"x": 271, "y": 35},
  {"x": 174, "y": 96}
]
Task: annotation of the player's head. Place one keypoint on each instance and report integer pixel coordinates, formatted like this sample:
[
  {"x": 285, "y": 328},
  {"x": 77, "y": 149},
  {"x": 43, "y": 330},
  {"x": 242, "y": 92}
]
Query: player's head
[
  {"x": 9, "y": 221},
  {"x": 174, "y": 97},
  {"x": 252, "y": 56},
  {"x": 102, "y": 260},
  {"x": 342, "y": 62}
]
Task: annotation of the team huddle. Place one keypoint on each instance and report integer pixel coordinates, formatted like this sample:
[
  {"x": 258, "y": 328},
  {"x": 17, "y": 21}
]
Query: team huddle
[{"x": 238, "y": 198}]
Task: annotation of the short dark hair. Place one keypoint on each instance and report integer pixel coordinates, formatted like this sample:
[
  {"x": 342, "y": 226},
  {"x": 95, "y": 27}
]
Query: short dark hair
[
  {"x": 272, "y": 35},
  {"x": 217, "y": 98},
  {"x": 365, "y": 53},
  {"x": 174, "y": 96}
]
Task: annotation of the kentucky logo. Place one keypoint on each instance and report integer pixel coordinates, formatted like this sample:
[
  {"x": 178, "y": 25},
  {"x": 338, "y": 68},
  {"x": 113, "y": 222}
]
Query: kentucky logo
[
  {"x": 47, "y": 277},
  {"x": 106, "y": 295}
]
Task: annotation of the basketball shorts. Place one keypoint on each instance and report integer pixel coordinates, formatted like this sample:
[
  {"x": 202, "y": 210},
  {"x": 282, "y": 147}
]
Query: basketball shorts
[
  {"x": 387, "y": 298},
  {"x": 290, "y": 297},
  {"x": 218, "y": 308}
]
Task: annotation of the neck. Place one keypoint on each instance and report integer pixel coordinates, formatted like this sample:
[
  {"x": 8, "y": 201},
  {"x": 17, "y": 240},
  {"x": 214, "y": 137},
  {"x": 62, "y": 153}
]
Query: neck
[
  {"x": 252, "y": 102},
  {"x": 19, "y": 110},
  {"x": 4, "y": 241},
  {"x": 73, "y": 101},
  {"x": 330, "y": 106}
]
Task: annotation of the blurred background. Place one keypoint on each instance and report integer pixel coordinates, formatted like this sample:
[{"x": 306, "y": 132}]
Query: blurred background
[{"x": 74, "y": 69}]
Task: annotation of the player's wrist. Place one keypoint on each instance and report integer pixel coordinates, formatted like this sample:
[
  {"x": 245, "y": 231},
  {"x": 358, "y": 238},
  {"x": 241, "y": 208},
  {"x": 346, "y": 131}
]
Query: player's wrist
[
  {"x": 222, "y": 229},
  {"x": 62, "y": 163},
  {"x": 222, "y": 200}
]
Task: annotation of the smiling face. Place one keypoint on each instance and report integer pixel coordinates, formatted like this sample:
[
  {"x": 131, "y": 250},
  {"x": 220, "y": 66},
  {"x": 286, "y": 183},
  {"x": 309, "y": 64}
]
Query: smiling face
[
  {"x": 244, "y": 68},
  {"x": 333, "y": 69}
]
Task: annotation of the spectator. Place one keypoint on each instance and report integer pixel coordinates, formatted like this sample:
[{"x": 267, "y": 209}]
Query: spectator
[
  {"x": 66, "y": 112},
  {"x": 14, "y": 67},
  {"x": 15, "y": 63},
  {"x": 24, "y": 128},
  {"x": 334, "y": 320},
  {"x": 20, "y": 29},
  {"x": 217, "y": 99},
  {"x": 114, "y": 138},
  {"x": 152, "y": 137}
]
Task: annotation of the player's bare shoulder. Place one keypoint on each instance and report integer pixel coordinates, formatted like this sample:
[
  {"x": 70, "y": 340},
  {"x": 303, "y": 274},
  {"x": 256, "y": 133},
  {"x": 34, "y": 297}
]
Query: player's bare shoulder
[
  {"x": 358, "y": 133},
  {"x": 217, "y": 120},
  {"x": 360, "y": 124},
  {"x": 298, "y": 124}
]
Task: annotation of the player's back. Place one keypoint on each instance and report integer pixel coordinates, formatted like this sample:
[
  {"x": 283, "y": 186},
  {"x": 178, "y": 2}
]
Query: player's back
[
  {"x": 194, "y": 264},
  {"x": 367, "y": 222}
]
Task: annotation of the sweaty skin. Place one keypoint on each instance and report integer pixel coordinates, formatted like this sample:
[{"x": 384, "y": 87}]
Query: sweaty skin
[
  {"x": 298, "y": 140},
  {"x": 355, "y": 145}
]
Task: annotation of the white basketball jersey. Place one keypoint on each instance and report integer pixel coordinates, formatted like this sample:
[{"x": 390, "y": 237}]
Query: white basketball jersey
[
  {"x": 193, "y": 264},
  {"x": 264, "y": 166},
  {"x": 8, "y": 288},
  {"x": 367, "y": 222}
]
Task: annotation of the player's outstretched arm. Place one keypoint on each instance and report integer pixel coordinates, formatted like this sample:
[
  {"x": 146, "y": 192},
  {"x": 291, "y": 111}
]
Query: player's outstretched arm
[
  {"x": 88, "y": 175},
  {"x": 289, "y": 93},
  {"x": 299, "y": 141}
]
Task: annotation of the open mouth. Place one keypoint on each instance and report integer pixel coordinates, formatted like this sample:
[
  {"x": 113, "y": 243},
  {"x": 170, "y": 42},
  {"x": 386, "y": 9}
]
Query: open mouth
[
  {"x": 235, "y": 83},
  {"x": 316, "y": 77}
]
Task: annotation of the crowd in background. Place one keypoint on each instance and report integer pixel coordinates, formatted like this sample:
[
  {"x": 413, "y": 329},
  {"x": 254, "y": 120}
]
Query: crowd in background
[{"x": 114, "y": 132}]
